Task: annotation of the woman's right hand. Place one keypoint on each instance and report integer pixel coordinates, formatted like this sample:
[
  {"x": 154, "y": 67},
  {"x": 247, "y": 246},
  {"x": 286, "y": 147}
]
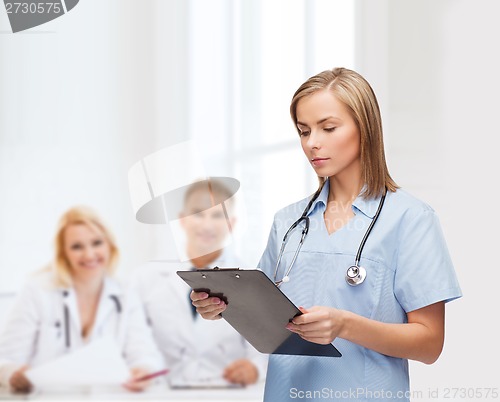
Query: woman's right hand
[
  {"x": 135, "y": 384},
  {"x": 19, "y": 382},
  {"x": 209, "y": 308}
]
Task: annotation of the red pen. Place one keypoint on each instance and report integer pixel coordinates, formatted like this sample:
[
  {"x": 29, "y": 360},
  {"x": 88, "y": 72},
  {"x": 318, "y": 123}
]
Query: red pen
[{"x": 152, "y": 375}]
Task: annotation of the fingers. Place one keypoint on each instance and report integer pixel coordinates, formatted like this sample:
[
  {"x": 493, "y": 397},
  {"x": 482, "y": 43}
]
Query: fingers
[
  {"x": 196, "y": 296},
  {"x": 21, "y": 386},
  {"x": 242, "y": 372},
  {"x": 19, "y": 382},
  {"x": 322, "y": 337},
  {"x": 134, "y": 384},
  {"x": 308, "y": 329},
  {"x": 212, "y": 312},
  {"x": 209, "y": 308},
  {"x": 317, "y": 324},
  {"x": 310, "y": 315}
]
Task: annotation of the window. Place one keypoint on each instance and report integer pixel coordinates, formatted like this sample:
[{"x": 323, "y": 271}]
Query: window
[
  {"x": 72, "y": 127},
  {"x": 247, "y": 57}
]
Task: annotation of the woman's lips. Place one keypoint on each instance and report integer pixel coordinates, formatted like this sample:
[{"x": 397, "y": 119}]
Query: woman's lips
[
  {"x": 318, "y": 162},
  {"x": 91, "y": 264}
]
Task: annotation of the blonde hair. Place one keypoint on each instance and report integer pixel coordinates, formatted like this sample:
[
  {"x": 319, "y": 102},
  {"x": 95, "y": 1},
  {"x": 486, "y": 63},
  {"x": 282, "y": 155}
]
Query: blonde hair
[
  {"x": 80, "y": 216},
  {"x": 357, "y": 95}
]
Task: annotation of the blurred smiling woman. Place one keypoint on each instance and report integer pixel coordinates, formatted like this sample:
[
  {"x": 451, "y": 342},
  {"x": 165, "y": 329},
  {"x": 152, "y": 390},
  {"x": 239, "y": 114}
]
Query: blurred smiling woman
[{"x": 74, "y": 302}]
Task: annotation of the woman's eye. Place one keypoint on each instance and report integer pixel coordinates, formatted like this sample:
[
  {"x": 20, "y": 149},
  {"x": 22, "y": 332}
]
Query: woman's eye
[
  {"x": 76, "y": 247},
  {"x": 329, "y": 129},
  {"x": 303, "y": 133},
  {"x": 97, "y": 243}
]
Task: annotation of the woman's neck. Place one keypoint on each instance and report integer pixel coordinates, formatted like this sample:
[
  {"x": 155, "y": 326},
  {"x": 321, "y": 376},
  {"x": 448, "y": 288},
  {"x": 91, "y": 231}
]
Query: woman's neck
[
  {"x": 88, "y": 287},
  {"x": 346, "y": 185},
  {"x": 345, "y": 189}
]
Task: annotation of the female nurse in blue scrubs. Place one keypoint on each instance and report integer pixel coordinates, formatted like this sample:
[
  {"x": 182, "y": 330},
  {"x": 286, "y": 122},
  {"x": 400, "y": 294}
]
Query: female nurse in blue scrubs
[{"x": 397, "y": 312}]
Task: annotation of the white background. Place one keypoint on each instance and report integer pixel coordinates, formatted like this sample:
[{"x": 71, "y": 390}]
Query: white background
[{"x": 84, "y": 97}]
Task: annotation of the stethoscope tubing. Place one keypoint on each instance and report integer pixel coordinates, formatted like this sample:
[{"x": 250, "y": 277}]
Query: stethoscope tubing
[
  {"x": 305, "y": 231},
  {"x": 368, "y": 231},
  {"x": 67, "y": 331}
]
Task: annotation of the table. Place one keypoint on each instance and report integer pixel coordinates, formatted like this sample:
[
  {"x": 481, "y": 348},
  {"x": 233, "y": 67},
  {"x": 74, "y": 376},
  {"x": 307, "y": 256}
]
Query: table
[{"x": 253, "y": 393}]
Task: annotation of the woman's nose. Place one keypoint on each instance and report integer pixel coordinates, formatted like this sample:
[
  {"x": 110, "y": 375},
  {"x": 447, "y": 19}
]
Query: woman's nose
[
  {"x": 314, "y": 141},
  {"x": 89, "y": 252}
]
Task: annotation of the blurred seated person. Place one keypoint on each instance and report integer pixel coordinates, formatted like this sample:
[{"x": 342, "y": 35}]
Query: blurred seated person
[
  {"x": 198, "y": 351},
  {"x": 74, "y": 301}
]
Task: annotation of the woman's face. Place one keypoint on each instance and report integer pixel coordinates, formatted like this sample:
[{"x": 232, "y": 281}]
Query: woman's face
[
  {"x": 87, "y": 251},
  {"x": 329, "y": 135}
]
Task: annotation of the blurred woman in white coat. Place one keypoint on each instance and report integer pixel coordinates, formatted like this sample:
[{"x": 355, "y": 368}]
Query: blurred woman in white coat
[{"x": 74, "y": 302}]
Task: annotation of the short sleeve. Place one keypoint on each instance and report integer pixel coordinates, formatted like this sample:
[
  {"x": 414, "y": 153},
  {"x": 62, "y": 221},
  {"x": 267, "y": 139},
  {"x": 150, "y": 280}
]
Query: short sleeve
[
  {"x": 424, "y": 272},
  {"x": 268, "y": 260}
]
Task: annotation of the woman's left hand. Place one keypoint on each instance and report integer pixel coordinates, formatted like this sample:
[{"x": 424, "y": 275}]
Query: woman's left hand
[
  {"x": 318, "y": 324},
  {"x": 134, "y": 384}
]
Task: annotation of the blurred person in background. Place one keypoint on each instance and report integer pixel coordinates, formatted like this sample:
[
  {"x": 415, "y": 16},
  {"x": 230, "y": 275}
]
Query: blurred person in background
[
  {"x": 198, "y": 351},
  {"x": 74, "y": 301}
]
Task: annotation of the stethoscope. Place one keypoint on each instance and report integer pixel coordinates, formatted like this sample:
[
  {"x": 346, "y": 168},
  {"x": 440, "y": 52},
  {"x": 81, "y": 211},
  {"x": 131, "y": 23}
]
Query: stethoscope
[
  {"x": 67, "y": 331},
  {"x": 355, "y": 274}
]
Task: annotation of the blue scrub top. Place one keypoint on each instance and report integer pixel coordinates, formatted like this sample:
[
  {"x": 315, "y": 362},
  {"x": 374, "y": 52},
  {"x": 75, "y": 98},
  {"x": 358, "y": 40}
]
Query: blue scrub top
[{"x": 408, "y": 267}]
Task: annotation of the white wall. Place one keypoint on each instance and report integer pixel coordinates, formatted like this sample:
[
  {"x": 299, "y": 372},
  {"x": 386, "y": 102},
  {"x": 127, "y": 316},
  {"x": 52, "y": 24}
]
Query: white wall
[
  {"x": 83, "y": 98},
  {"x": 435, "y": 67},
  {"x": 89, "y": 94}
]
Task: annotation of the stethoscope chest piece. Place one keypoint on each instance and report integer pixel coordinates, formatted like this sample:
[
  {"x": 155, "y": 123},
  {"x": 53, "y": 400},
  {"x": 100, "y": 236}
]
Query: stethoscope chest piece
[{"x": 355, "y": 275}]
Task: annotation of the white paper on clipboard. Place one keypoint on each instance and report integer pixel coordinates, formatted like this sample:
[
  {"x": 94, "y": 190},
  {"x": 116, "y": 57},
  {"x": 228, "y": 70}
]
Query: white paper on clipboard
[{"x": 98, "y": 363}]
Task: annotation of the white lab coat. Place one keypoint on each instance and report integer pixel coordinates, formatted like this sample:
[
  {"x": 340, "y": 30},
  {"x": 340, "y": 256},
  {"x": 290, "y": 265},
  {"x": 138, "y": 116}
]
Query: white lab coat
[
  {"x": 195, "y": 349},
  {"x": 35, "y": 331}
]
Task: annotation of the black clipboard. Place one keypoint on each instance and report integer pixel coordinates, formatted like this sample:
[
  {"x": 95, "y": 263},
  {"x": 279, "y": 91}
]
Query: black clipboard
[{"x": 257, "y": 309}]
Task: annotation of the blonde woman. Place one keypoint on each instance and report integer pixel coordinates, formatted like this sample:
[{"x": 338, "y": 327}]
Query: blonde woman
[
  {"x": 73, "y": 302},
  {"x": 373, "y": 274}
]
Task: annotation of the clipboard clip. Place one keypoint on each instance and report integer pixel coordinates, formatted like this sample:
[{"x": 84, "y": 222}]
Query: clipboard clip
[
  {"x": 206, "y": 290},
  {"x": 216, "y": 268}
]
